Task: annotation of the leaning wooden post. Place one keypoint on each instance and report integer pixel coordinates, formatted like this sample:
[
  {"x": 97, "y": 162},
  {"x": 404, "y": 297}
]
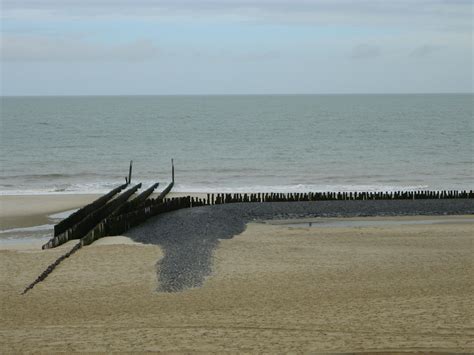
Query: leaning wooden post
[
  {"x": 172, "y": 170},
  {"x": 130, "y": 173}
]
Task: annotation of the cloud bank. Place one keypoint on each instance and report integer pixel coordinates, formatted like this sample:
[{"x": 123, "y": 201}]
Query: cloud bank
[
  {"x": 455, "y": 14},
  {"x": 41, "y": 48},
  {"x": 236, "y": 46}
]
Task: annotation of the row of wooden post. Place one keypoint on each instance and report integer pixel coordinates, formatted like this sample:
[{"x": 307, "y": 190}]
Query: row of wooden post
[
  {"x": 87, "y": 218},
  {"x": 121, "y": 207},
  {"x": 152, "y": 207},
  {"x": 81, "y": 228},
  {"x": 82, "y": 213},
  {"x": 117, "y": 225},
  {"x": 216, "y": 199}
]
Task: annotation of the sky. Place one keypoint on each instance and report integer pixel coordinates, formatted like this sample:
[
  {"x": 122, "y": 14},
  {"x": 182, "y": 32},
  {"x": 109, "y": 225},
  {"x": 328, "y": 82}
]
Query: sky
[{"x": 169, "y": 47}]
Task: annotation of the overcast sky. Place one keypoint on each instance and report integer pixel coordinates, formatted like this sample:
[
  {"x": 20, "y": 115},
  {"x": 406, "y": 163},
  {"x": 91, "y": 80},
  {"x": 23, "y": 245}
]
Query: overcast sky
[{"x": 108, "y": 47}]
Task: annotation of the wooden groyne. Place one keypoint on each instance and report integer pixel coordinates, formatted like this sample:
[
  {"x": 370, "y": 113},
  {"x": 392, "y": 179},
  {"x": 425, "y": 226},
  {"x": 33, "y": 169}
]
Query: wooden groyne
[
  {"x": 127, "y": 212},
  {"x": 215, "y": 199},
  {"x": 117, "y": 225},
  {"x": 80, "y": 229},
  {"x": 88, "y": 218},
  {"x": 83, "y": 212},
  {"x": 109, "y": 216},
  {"x": 137, "y": 201},
  {"x": 106, "y": 215},
  {"x": 52, "y": 266}
]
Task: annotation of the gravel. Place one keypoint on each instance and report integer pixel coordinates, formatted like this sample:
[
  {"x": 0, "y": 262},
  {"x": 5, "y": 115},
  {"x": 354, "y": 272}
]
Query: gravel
[{"x": 189, "y": 236}]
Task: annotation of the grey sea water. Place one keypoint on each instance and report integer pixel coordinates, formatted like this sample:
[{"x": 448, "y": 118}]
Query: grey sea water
[{"x": 238, "y": 143}]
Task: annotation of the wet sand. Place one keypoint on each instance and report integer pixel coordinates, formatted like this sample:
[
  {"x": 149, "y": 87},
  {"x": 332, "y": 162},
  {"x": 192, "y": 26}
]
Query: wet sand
[
  {"x": 272, "y": 289},
  {"x": 30, "y": 210}
]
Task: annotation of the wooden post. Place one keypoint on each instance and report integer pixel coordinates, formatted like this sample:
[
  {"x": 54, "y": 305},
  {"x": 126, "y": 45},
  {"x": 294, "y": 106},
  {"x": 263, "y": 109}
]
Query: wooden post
[
  {"x": 136, "y": 202},
  {"x": 172, "y": 170},
  {"x": 130, "y": 173},
  {"x": 82, "y": 213}
]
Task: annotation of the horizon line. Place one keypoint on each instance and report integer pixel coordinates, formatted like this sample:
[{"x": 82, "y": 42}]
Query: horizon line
[{"x": 249, "y": 94}]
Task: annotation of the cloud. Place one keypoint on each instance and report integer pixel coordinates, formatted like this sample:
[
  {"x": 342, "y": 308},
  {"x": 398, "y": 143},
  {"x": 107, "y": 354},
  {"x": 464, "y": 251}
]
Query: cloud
[
  {"x": 259, "y": 56},
  {"x": 453, "y": 14},
  {"x": 425, "y": 50},
  {"x": 40, "y": 48},
  {"x": 364, "y": 51}
]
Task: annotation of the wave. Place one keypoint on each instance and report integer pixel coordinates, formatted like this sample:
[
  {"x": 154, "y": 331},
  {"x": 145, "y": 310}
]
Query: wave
[
  {"x": 50, "y": 176},
  {"x": 295, "y": 188},
  {"x": 62, "y": 215},
  {"x": 36, "y": 176},
  {"x": 216, "y": 187}
]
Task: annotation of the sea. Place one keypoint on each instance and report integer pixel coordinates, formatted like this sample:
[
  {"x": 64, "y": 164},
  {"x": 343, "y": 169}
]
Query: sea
[{"x": 255, "y": 143}]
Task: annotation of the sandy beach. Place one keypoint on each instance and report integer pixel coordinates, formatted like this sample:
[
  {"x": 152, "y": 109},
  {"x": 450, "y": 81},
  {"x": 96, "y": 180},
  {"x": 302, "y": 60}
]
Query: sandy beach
[
  {"x": 273, "y": 288},
  {"x": 255, "y": 177},
  {"x": 30, "y": 210}
]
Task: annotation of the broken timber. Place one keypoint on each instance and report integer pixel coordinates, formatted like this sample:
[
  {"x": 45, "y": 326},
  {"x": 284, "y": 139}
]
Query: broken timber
[
  {"x": 80, "y": 214},
  {"x": 88, "y": 218},
  {"x": 88, "y": 223},
  {"x": 116, "y": 225},
  {"x": 129, "y": 180},
  {"x": 137, "y": 201},
  {"x": 134, "y": 213},
  {"x": 99, "y": 218}
]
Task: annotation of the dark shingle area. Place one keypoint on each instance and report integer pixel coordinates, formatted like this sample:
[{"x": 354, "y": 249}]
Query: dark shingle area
[{"x": 189, "y": 236}]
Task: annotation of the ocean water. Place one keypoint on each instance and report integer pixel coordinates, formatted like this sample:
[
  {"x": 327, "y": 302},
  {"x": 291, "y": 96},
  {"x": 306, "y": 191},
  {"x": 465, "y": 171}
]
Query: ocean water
[{"x": 238, "y": 143}]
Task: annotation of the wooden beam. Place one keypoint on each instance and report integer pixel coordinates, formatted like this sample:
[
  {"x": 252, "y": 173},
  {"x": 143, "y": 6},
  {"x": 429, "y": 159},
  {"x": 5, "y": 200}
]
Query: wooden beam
[{"x": 83, "y": 212}]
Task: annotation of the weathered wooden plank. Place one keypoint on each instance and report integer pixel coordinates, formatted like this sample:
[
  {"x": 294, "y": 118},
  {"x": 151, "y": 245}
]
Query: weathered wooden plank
[
  {"x": 89, "y": 222},
  {"x": 137, "y": 201},
  {"x": 80, "y": 214},
  {"x": 129, "y": 181}
]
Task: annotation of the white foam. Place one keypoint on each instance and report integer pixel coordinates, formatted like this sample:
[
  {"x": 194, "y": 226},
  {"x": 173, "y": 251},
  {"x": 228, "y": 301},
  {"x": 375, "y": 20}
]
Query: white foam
[
  {"x": 76, "y": 189},
  {"x": 40, "y": 228},
  {"x": 182, "y": 188},
  {"x": 62, "y": 215},
  {"x": 104, "y": 187}
]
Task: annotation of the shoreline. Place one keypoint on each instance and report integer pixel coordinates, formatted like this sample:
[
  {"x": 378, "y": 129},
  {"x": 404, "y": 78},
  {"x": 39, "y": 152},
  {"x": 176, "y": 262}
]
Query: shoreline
[
  {"x": 15, "y": 210},
  {"x": 21, "y": 212},
  {"x": 29, "y": 210}
]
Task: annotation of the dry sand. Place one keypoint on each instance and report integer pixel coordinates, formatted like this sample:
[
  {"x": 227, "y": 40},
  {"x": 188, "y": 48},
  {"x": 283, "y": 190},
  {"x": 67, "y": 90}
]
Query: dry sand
[{"x": 274, "y": 289}]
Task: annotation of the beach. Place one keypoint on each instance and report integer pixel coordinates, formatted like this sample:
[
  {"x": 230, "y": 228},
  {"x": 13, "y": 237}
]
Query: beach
[
  {"x": 274, "y": 287},
  {"x": 30, "y": 210},
  {"x": 236, "y": 176}
]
